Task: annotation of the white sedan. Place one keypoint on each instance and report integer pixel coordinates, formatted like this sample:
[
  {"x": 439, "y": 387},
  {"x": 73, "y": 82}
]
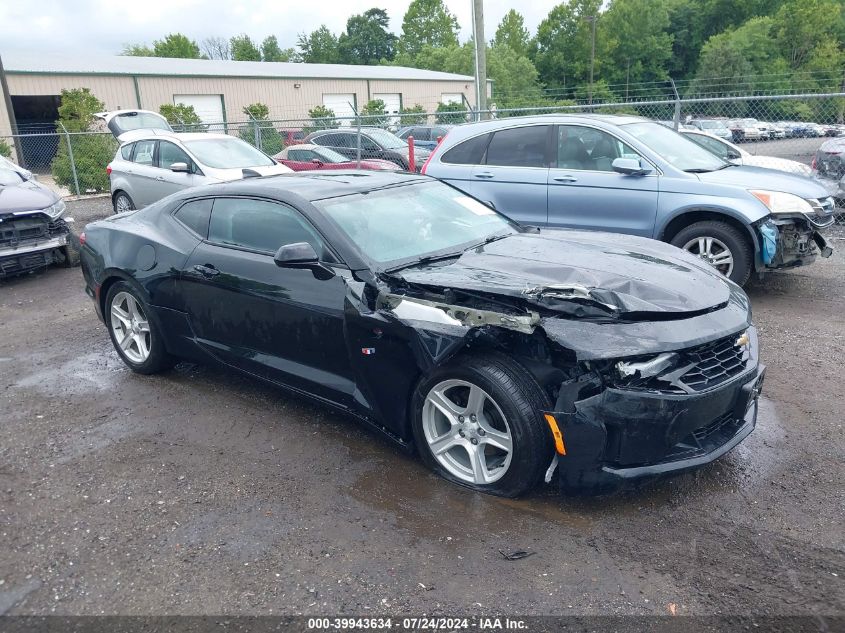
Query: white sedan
[{"x": 731, "y": 153}]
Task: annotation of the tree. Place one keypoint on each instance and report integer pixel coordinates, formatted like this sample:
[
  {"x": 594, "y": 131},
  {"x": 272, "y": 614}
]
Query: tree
[
  {"x": 451, "y": 113},
  {"x": 514, "y": 76},
  {"x": 367, "y": 39},
  {"x": 427, "y": 22},
  {"x": 216, "y": 48},
  {"x": 176, "y": 45},
  {"x": 181, "y": 116},
  {"x": 803, "y": 26},
  {"x": 260, "y": 132},
  {"x": 413, "y": 116},
  {"x": 91, "y": 152},
  {"x": 322, "y": 118},
  {"x": 137, "y": 50},
  {"x": 320, "y": 47},
  {"x": 374, "y": 108},
  {"x": 561, "y": 50},
  {"x": 244, "y": 49},
  {"x": 272, "y": 52},
  {"x": 5, "y": 149},
  {"x": 512, "y": 32}
]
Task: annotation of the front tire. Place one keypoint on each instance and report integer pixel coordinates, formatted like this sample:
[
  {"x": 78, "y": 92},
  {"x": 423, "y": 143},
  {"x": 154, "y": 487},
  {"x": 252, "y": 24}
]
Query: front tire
[
  {"x": 478, "y": 423},
  {"x": 122, "y": 202},
  {"x": 136, "y": 337},
  {"x": 720, "y": 245}
]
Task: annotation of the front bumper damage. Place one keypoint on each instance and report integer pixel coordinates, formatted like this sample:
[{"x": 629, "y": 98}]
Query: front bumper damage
[
  {"x": 31, "y": 242},
  {"x": 787, "y": 242}
]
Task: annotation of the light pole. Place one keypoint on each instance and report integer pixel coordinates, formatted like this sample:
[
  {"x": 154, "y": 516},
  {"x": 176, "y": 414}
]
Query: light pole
[
  {"x": 480, "y": 57},
  {"x": 592, "y": 20}
]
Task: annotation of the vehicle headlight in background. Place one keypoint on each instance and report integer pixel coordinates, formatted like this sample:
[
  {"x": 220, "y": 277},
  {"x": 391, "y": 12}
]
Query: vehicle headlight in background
[
  {"x": 56, "y": 209},
  {"x": 779, "y": 202}
]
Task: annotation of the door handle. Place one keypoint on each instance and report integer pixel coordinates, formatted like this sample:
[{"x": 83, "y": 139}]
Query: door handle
[
  {"x": 208, "y": 271},
  {"x": 566, "y": 178},
  {"x": 483, "y": 174}
]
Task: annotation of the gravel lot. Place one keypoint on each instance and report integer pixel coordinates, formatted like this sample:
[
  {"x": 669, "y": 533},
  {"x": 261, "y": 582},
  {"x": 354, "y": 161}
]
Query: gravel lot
[{"x": 200, "y": 491}]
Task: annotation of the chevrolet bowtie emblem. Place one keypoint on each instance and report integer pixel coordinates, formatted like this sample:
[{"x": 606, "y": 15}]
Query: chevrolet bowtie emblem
[{"x": 743, "y": 340}]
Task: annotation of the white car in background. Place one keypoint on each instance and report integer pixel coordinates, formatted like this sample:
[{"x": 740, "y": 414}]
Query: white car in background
[
  {"x": 738, "y": 156},
  {"x": 153, "y": 161}
]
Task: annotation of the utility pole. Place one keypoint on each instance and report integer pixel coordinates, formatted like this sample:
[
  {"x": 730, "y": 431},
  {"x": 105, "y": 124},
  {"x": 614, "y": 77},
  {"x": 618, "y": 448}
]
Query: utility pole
[
  {"x": 627, "y": 76},
  {"x": 480, "y": 56},
  {"x": 7, "y": 98},
  {"x": 592, "y": 20}
]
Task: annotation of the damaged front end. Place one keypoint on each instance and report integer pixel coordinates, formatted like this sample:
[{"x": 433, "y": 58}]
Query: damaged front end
[
  {"x": 790, "y": 240},
  {"x": 30, "y": 241}
]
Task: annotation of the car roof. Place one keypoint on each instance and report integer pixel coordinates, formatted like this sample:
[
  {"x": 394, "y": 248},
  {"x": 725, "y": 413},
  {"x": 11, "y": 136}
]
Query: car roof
[
  {"x": 311, "y": 186},
  {"x": 496, "y": 124}
]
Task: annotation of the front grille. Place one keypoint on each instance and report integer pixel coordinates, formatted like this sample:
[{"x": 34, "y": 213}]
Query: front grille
[
  {"x": 30, "y": 228},
  {"x": 705, "y": 438},
  {"x": 714, "y": 364}
]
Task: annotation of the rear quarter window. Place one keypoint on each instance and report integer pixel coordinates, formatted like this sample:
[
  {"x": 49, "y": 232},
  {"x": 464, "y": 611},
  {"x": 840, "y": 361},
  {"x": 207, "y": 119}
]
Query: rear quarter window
[
  {"x": 195, "y": 215},
  {"x": 126, "y": 151},
  {"x": 468, "y": 152}
]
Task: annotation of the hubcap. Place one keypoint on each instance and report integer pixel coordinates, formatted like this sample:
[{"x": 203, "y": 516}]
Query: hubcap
[
  {"x": 122, "y": 204},
  {"x": 714, "y": 252},
  {"x": 131, "y": 328},
  {"x": 467, "y": 432}
]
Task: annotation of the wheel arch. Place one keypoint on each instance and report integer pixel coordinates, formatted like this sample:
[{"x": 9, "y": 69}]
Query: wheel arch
[{"x": 691, "y": 216}]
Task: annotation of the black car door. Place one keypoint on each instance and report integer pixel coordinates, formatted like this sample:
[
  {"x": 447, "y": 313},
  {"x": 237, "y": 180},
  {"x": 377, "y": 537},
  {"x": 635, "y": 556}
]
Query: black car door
[{"x": 284, "y": 324}]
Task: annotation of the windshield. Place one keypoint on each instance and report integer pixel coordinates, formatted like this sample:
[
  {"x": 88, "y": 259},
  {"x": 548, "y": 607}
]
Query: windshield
[
  {"x": 139, "y": 121},
  {"x": 712, "y": 125},
  {"x": 330, "y": 156},
  {"x": 227, "y": 153},
  {"x": 404, "y": 224},
  {"x": 386, "y": 139},
  {"x": 678, "y": 151},
  {"x": 10, "y": 177}
]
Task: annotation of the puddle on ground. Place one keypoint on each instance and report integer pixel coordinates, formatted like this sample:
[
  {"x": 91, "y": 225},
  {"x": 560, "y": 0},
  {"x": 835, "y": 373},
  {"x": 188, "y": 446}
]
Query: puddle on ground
[{"x": 96, "y": 371}]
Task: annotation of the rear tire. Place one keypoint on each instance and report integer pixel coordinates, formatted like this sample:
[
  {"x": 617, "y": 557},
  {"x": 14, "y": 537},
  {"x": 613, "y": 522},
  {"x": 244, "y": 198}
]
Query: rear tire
[
  {"x": 122, "y": 202},
  {"x": 140, "y": 344},
  {"x": 469, "y": 448},
  {"x": 714, "y": 242},
  {"x": 70, "y": 251}
]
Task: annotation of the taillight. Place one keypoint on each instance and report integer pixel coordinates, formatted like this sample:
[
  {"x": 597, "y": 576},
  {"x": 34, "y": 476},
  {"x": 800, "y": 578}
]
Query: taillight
[
  {"x": 813, "y": 164},
  {"x": 108, "y": 170},
  {"x": 82, "y": 238}
]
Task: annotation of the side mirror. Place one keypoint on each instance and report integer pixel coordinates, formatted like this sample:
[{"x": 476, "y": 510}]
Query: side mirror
[
  {"x": 317, "y": 162},
  {"x": 297, "y": 255},
  {"x": 629, "y": 166},
  {"x": 180, "y": 167}
]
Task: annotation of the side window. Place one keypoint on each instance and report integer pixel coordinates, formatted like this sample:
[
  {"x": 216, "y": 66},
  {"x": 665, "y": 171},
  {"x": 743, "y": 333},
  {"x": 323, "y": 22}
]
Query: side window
[
  {"x": 169, "y": 153},
  {"x": 519, "y": 147},
  {"x": 195, "y": 215},
  {"x": 296, "y": 154},
  {"x": 126, "y": 151},
  {"x": 143, "y": 154},
  {"x": 326, "y": 140},
  {"x": 710, "y": 144},
  {"x": 470, "y": 152},
  {"x": 421, "y": 134},
  {"x": 367, "y": 143},
  {"x": 259, "y": 225},
  {"x": 589, "y": 149}
]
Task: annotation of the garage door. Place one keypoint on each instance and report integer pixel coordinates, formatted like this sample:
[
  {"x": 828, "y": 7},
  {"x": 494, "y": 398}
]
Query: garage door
[
  {"x": 209, "y": 108},
  {"x": 342, "y": 104},
  {"x": 452, "y": 97},
  {"x": 392, "y": 105}
]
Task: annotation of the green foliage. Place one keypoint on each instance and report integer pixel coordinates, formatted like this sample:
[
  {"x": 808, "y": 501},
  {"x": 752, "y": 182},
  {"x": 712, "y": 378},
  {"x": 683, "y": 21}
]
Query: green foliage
[
  {"x": 272, "y": 52},
  {"x": 374, "y": 108},
  {"x": 512, "y": 33},
  {"x": 91, "y": 151},
  {"x": 448, "y": 113},
  {"x": 367, "y": 39},
  {"x": 176, "y": 45},
  {"x": 259, "y": 132},
  {"x": 427, "y": 22},
  {"x": 5, "y": 149},
  {"x": 561, "y": 49},
  {"x": 322, "y": 118},
  {"x": 413, "y": 116},
  {"x": 137, "y": 50},
  {"x": 182, "y": 117},
  {"x": 243, "y": 49},
  {"x": 320, "y": 47}
]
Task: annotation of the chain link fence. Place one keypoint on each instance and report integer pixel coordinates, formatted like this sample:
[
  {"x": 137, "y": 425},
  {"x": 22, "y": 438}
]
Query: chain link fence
[{"x": 798, "y": 133}]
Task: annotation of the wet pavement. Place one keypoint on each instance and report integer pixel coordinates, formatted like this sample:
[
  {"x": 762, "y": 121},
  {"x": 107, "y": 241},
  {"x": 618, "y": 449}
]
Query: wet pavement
[{"x": 200, "y": 491}]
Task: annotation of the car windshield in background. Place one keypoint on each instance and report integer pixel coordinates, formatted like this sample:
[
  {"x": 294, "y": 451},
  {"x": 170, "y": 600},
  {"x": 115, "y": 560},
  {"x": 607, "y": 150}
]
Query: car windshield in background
[
  {"x": 676, "y": 150},
  {"x": 386, "y": 139},
  {"x": 330, "y": 156},
  {"x": 712, "y": 125},
  {"x": 227, "y": 153},
  {"x": 140, "y": 121},
  {"x": 9, "y": 177},
  {"x": 405, "y": 224}
]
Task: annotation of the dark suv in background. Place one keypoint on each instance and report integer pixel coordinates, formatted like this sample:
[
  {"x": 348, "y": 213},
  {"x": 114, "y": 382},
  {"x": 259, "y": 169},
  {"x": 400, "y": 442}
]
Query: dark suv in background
[{"x": 375, "y": 143}]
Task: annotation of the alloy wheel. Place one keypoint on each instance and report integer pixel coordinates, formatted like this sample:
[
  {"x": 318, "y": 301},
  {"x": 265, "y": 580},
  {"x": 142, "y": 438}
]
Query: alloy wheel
[
  {"x": 130, "y": 327},
  {"x": 714, "y": 252},
  {"x": 466, "y": 432},
  {"x": 122, "y": 204}
]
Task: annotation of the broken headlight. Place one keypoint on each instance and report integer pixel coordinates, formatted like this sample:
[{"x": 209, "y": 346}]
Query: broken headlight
[
  {"x": 649, "y": 368},
  {"x": 56, "y": 209}
]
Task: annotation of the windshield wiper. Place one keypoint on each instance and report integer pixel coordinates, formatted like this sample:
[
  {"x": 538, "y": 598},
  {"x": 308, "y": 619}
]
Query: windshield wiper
[
  {"x": 427, "y": 259},
  {"x": 698, "y": 170}
]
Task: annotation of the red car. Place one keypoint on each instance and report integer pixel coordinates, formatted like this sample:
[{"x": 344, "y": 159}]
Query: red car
[{"x": 307, "y": 157}]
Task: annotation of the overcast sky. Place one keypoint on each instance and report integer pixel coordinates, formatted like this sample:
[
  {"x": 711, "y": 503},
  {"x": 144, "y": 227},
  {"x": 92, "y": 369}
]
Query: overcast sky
[{"x": 105, "y": 26}]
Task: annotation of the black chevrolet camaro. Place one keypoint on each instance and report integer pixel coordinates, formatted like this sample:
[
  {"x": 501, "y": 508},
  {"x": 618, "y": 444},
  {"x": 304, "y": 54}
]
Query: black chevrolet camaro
[{"x": 504, "y": 354}]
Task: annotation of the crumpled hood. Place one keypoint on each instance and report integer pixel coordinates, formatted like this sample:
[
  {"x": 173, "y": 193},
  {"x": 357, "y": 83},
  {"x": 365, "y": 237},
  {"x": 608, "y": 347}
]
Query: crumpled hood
[
  {"x": 759, "y": 178},
  {"x": 27, "y": 196},
  {"x": 551, "y": 269}
]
